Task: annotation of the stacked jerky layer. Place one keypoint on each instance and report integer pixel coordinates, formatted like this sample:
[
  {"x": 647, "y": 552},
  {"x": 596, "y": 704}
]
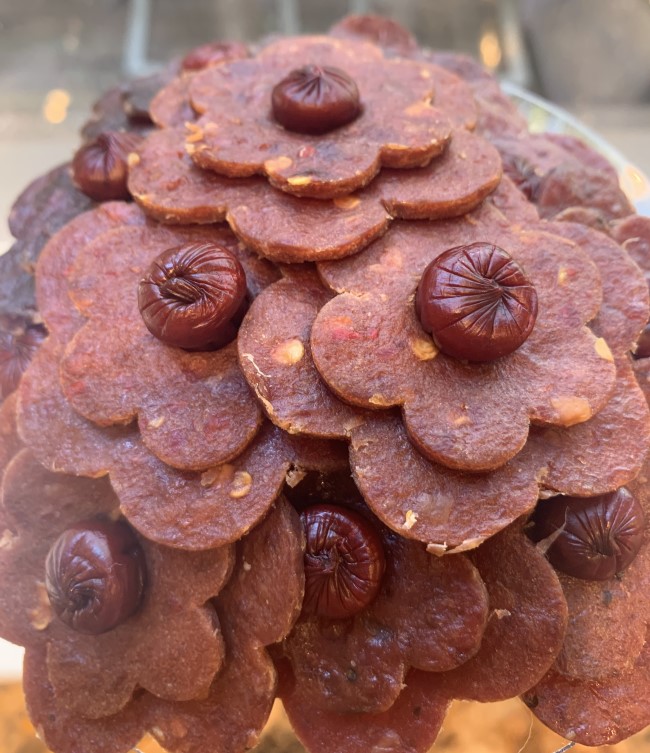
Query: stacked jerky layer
[{"x": 448, "y": 458}]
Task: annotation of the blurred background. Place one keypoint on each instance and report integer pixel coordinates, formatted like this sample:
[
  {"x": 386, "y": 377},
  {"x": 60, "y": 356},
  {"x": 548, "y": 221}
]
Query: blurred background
[{"x": 56, "y": 56}]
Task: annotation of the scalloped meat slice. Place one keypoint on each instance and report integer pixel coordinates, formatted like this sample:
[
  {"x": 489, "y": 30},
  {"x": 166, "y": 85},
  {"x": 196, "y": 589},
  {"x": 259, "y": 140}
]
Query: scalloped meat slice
[
  {"x": 194, "y": 409},
  {"x": 345, "y": 159},
  {"x": 572, "y": 185},
  {"x": 66, "y": 732},
  {"x": 431, "y": 503},
  {"x": 633, "y": 233},
  {"x": 274, "y": 354},
  {"x": 583, "y": 153},
  {"x": 599, "y": 455},
  {"x": 17, "y": 300},
  {"x": 430, "y": 613},
  {"x": 171, "y": 107},
  {"x": 230, "y": 719},
  {"x": 263, "y": 598},
  {"x": 60, "y": 438},
  {"x": 59, "y": 256},
  {"x": 449, "y": 186},
  {"x": 38, "y": 506},
  {"x": 410, "y": 725},
  {"x": 96, "y": 675},
  {"x": 391, "y": 36},
  {"x": 596, "y": 712},
  {"x": 371, "y": 351},
  {"x": 624, "y": 311},
  {"x": 203, "y": 510},
  {"x": 526, "y": 626},
  {"x": 138, "y": 94}
]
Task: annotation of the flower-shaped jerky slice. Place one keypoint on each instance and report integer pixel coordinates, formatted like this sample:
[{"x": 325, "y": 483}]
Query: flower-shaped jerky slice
[
  {"x": 190, "y": 510},
  {"x": 430, "y": 613},
  {"x": 96, "y": 675},
  {"x": 371, "y": 350},
  {"x": 237, "y": 136},
  {"x": 410, "y": 725},
  {"x": 274, "y": 354},
  {"x": 387, "y": 33},
  {"x": 170, "y": 188},
  {"x": 194, "y": 409},
  {"x": 633, "y": 233},
  {"x": 624, "y": 311},
  {"x": 57, "y": 261}
]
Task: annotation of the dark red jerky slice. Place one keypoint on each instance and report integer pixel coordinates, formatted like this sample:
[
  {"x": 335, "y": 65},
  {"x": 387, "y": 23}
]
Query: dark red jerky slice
[
  {"x": 57, "y": 261},
  {"x": 633, "y": 233},
  {"x": 203, "y": 510},
  {"x": 526, "y": 626},
  {"x": 455, "y": 98},
  {"x": 168, "y": 186},
  {"x": 534, "y": 151},
  {"x": 425, "y": 501},
  {"x": 497, "y": 114},
  {"x": 274, "y": 354},
  {"x": 372, "y": 352},
  {"x": 410, "y": 725},
  {"x": 391, "y": 36},
  {"x": 65, "y": 732},
  {"x": 231, "y": 718},
  {"x": 570, "y": 185},
  {"x": 583, "y": 153},
  {"x": 96, "y": 675},
  {"x": 624, "y": 311},
  {"x": 60, "y": 438},
  {"x": 512, "y": 203},
  {"x": 450, "y": 186},
  {"x": 138, "y": 94},
  {"x": 108, "y": 115},
  {"x": 593, "y": 218},
  {"x": 171, "y": 107},
  {"x": 17, "y": 299},
  {"x": 38, "y": 507},
  {"x": 325, "y": 166},
  {"x": 263, "y": 598},
  {"x": 599, "y": 455},
  {"x": 430, "y": 613},
  {"x": 596, "y": 712},
  {"x": 194, "y": 409},
  {"x": 10, "y": 442}
]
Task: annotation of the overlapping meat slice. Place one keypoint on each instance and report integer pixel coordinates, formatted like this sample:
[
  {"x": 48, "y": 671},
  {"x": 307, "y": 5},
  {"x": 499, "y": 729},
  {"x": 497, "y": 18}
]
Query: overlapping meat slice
[
  {"x": 633, "y": 233},
  {"x": 257, "y": 607},
  {"x": 371, "y": 350},
  {"x": 248, "y": 141},
  {"x": 624, "y": 310},
  {"x": 190, "y": 510},
  {"x": 194, "y": 409},
  {"x": 96, "y": 675},
  {"x": 391, "y": 36},
  {"x": 10, "y": 442},
  {"x": 430, "y": 613},
  {"x": 592, "y": 694},
  {"x": 170, "y": 188}
]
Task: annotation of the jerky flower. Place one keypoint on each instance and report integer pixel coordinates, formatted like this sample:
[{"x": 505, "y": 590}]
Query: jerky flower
[
  {"x": 244, "y": 99},
  {"x": 96, "y": 663}
]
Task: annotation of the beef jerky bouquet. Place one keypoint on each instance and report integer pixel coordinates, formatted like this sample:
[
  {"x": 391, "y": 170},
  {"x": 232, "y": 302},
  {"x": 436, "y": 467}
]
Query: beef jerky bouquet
[{"x": 324, "y": 380}]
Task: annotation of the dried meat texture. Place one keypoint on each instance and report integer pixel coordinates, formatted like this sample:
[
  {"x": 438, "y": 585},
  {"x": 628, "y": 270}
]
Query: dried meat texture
[
  {"x": 593, "y": 218},
  {"x": 526, "y": 626},
  {"x": 247, "y": 140},
  {"x": 138, "y": 94},
  {"x": 66, "y": 732},
  {"x": 633, "y": 233},
  {"x": 570, "y": 186},
  {"x": 171, "y": 107},
  {"x": 512, "y": 203},
  {"x": 170, "y": 188},
  {"x": 371, "y": 350},
  {"x": 57, "y": 261},
  {"x": 430, "y": 613},
  {"x": 274, "y": 354},
  {"x": 410, "y": 725},
  {"x": 194, "y": 410},
  {"x": 17, "y": 302},
  {"x": 96, "y": 675},
  {"x": 454, "y": 510},
  {"x": 595, "y": 712},
  {"x": 583, "y": 153},
  {"x": 391, "y": 36},
  {"x": 624, "y": 311}
]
